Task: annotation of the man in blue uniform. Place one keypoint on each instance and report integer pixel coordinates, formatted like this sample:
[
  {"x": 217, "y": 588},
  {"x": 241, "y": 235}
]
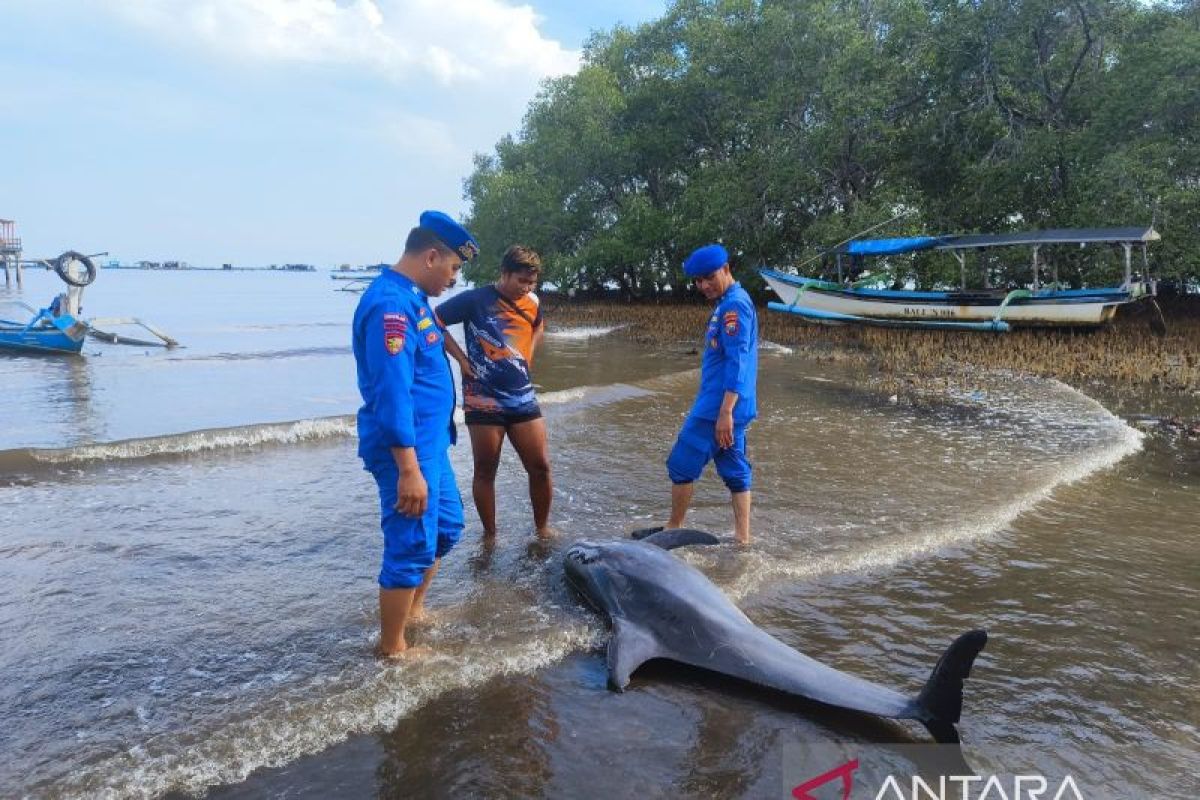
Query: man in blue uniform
[
  {"x": 405, "y": 426},
  {"x": 726, "y": 404}
]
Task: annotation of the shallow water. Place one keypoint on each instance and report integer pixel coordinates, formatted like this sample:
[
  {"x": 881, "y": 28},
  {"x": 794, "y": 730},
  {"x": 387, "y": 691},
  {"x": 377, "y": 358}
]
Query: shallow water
[{"x": 191, "y": 610}]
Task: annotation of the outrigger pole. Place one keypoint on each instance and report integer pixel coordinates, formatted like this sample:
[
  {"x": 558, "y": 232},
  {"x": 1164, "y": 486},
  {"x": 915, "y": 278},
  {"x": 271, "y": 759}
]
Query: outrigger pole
[{"x": 851, "y": 238}]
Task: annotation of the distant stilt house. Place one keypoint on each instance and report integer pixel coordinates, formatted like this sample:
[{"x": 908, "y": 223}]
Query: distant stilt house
[{"x": 10, "y": 250}]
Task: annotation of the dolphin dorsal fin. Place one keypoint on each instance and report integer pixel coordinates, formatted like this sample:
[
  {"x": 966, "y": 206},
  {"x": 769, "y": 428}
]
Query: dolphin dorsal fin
[
  {"x": 670, "y": 538},
  {"x": 629, "y": 648}
]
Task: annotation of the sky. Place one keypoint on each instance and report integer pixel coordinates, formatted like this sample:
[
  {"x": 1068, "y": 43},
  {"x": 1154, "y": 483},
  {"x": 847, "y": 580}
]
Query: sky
[{"x": 258, "y": 132}]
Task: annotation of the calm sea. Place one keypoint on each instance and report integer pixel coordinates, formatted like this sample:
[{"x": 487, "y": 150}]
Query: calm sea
[{"x": 188, "y": 551}]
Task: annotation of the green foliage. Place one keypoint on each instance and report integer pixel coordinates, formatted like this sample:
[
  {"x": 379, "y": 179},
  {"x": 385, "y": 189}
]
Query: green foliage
[{"x": 783, "y": 127}]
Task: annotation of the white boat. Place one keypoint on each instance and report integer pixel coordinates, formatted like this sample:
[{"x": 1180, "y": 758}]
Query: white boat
[{"x": 975, "y": 309}]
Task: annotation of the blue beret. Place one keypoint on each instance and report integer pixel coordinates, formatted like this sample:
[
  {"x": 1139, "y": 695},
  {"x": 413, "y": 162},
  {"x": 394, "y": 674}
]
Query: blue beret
[
  {"x": 707, "y": 259},
  {"x": 453, "y": 235}
]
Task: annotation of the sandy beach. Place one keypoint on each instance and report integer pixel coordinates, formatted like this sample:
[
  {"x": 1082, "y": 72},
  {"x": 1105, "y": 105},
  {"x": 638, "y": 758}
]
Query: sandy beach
[{"x": 1132, "y": 358}]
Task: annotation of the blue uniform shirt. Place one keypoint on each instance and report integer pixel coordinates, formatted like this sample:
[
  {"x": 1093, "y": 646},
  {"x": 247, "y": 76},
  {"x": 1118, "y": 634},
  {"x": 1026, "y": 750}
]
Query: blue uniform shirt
[
  {"x": 403, "y": 371},
  {"x": 730, "y": 360}
]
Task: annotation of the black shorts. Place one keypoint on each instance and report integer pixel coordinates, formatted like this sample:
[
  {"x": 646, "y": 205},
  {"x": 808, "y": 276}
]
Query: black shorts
[{"x": 501, "y": 418}]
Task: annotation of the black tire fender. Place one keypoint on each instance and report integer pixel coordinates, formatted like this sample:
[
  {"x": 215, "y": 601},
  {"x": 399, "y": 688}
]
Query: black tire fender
[{"x": 62, "y": 262}]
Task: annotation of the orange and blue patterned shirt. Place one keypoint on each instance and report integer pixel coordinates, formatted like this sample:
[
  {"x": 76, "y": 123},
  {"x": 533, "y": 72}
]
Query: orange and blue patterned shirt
[{"x": 499, "y": 338}]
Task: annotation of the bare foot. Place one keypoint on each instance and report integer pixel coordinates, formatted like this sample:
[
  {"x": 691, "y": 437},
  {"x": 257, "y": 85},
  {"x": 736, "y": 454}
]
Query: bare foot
[
  {"x": 406, "y": 651},
  {"x": 381, "y": 653},
  {"x": 548, "y": 532},
  {"x": 482, "y": 561},
  {"x": 742, "y": 542},
  {"x": 539, "y": 547}
]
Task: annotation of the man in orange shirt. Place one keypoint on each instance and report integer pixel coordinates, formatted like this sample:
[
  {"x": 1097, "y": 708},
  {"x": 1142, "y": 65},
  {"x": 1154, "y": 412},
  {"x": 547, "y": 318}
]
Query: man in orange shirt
[{"x": 502, "y": 325}]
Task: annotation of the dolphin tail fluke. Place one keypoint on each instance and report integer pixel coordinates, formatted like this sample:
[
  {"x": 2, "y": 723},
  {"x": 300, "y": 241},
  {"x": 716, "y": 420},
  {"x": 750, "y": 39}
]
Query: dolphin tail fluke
[
  {"x": 629, "y": 648},
  {"x": 942, "y": 696},
  {"x": 670, "y": 538}
]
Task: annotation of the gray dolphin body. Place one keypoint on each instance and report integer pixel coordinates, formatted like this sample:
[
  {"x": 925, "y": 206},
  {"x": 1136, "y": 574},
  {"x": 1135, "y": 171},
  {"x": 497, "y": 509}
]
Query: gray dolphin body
[{"x": 661, "y": 607}]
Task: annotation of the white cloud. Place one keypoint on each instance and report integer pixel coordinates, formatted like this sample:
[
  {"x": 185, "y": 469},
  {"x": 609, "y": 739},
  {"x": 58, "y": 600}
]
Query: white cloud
[
  {"x": 421, "y": 135},
  {"x": 455, "y": 41}
]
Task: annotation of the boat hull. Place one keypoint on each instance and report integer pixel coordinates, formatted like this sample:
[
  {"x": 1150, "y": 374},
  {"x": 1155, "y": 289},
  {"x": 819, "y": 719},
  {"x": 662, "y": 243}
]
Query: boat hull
[
  {"x": 16, "y": 337},
  {"x": 824, "y": 301},
  {"x": 834, "y": 318}
]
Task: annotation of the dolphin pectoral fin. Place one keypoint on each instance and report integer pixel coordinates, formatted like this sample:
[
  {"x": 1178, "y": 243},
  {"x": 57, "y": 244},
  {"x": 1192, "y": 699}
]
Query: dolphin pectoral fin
[
  {"x": 642, "y": 533},
  {"x": 670, "y": 538},
  {"x": 942, "y": 697},
  {"x": 629, "y": 648}
]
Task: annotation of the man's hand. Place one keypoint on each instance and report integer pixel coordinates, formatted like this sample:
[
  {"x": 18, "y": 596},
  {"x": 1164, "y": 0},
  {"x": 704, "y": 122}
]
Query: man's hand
[
  {"x": 456, "y": 352},
  {"x": 724, "y": 430},
  {"x": 412, "y": 493}
]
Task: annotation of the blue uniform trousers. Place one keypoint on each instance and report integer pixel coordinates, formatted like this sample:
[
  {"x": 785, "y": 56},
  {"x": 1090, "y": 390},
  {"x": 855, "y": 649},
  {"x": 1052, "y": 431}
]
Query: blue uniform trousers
[
  {"x": 411, "y": 544},
  {"x": 697, "y": 445}
]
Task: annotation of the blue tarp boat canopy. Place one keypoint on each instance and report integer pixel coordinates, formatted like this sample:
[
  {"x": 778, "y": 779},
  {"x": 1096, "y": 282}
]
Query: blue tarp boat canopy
[
  {"x": 888, "y": 247},
  {"x": 970, "y": 241}
]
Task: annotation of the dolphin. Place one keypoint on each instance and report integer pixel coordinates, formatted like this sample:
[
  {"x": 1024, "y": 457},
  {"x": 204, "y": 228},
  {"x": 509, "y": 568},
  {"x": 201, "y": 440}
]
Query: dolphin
[{"x": 663, "y": 608}]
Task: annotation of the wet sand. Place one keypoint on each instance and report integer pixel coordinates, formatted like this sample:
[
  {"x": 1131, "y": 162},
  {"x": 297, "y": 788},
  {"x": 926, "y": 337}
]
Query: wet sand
[{"x": 1127, "y": 356}]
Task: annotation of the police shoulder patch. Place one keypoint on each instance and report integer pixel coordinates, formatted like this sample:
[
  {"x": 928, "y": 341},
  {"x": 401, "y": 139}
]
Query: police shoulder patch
[
  {"x": 731, "y": 322},
  {"x": 395, "y": 325}
]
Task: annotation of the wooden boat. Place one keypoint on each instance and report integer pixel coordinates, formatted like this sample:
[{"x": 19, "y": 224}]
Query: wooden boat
[
  {"x": 45, "y": 332},
  {"x": 832, "y": 302},
  {"x": 58, "y": 328}
]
